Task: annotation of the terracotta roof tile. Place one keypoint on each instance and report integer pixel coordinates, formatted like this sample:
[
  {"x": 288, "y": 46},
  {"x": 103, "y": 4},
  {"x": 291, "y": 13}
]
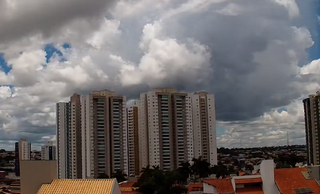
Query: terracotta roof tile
[
  {"x": 248, "y": 180},
  {"x": 292, "y": 178},
  {"x": 195, "y": 187},
  {"x": 222, "y": 185},
  {"x": 78, "y": 186}
]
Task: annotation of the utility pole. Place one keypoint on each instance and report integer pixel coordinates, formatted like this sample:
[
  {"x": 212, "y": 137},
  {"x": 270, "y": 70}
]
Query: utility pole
[{"x": 287, "y": 138}]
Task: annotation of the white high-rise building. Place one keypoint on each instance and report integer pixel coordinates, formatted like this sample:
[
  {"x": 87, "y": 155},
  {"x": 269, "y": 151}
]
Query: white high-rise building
[
  {"x": 48, "y": 152},
  {"x": 204, "y": 127},
  {"x": 96, "y": 141},
  {"x": 165, "y": 128},
  {"x": 176, "y": 127},
  {"x": 24, "y": 149}
]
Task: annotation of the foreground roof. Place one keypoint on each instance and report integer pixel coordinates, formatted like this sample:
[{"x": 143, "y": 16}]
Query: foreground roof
[
  {"x": 290, "y": 179},
  {"x": 222, "y": 185},
  {"x": 195, "y": 187},
  {"x": 78, "y": 186}
]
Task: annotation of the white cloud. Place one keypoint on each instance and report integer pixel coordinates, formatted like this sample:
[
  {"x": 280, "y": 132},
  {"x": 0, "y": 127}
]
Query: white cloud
[{"x": 251, "y": 62}]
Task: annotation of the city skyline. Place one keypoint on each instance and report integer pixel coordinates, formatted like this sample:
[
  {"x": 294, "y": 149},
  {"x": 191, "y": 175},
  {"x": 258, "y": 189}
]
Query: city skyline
[
  {"x": 100, "y": 134},
  {"x": 259, "y": 59}
]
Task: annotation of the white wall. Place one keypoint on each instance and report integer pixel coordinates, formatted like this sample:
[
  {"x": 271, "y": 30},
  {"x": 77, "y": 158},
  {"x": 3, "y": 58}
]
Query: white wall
[
  {"x": 196, "y": 126},
  {"x": 190, "y": 141},
  {"x": 267, "y": 176},
  {"x": 125, "y": 136},
  {"x": 142, "y": 131},
  {"x": 212, "y": 129},
  {"x": 209, "y": 189},
  {"x": 153, "y": 129}
]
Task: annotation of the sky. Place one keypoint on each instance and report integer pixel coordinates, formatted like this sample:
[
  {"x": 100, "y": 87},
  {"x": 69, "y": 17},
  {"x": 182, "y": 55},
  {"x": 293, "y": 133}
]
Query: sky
[{"x": 259, "y": 58}]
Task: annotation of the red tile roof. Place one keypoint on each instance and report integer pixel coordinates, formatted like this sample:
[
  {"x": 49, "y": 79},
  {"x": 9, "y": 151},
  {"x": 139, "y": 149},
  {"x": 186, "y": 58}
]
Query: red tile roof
[
  {"x": 248, "y": 180},
  {"x": 291, "y": 178},
  {"x": 222, "y": 185},
  {"x": 195, "y": 187}
]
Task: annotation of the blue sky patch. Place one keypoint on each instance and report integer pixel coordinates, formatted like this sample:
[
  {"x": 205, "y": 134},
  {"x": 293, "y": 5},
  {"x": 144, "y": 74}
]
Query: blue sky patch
[{"x": 4, "y": 65}]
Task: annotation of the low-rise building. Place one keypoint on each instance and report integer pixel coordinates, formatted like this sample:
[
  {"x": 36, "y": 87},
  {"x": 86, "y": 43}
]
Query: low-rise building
[
  {"x": 81, "y": 186},
  {"x": 269, "y": 181}
]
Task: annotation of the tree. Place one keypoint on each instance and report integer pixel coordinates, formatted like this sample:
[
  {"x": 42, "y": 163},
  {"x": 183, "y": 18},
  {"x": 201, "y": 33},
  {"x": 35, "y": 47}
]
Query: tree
[
  {"x": 200, "y": 167},
  {"x": 120, "y": 176},
  {"x": 183, "y": 172},
  {"x": 159, "y": 182}
]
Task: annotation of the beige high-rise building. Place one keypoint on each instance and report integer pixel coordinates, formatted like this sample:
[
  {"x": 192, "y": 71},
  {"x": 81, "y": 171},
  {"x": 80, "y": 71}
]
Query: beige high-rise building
[
  {"x": 312, "y": 127},
  {"x": 133, "y": 140},
  {"x": 93, "y": 130},
  {"x": 204, "y": 126},
  {"x": 48, "y": 152},
  {"x": 75, "y": 137},
  {"x": 176, "y": 127},
  {"x": 104, "y": 134}
]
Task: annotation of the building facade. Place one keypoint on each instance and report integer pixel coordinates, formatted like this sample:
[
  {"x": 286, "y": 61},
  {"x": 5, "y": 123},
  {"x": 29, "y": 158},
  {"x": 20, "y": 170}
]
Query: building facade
[
  {"x": 22, "y": 152},
  {"x": 93, "y": 130},
  {"x": 312, "y": 127},
  {"x": 176, "y": 127},
  {"x": 133, "y": 140},
  {"x": 63, "y": 150},
  {"x": 48, "y": 152},
  {"x": 204, "y": 127}
]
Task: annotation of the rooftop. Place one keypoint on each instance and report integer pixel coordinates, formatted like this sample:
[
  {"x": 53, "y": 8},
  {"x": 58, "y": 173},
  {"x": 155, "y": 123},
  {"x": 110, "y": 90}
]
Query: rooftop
[
  {"x": 78, "y": 186},
  {"x": 289, "y": 179},
  {"x": 222, "y": 185}
]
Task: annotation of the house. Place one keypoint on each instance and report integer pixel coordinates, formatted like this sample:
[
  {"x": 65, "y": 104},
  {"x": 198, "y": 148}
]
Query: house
[
  {"x": 196, "y": 188},
  {"x": 269, "y": 181},
  {"x": 81, "y": 186}
]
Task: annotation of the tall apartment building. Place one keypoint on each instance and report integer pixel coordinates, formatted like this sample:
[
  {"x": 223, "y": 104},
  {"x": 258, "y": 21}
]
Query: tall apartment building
[
  {"x": 63, "y": 143},
  {"x": 312, "y": 126},
  {"x": 176, "y": 127},
  {"x": 104, "y": 134},
  {"x": 69, "y": 138},
  {"x": 48, "y": 152},
  {"x": 204, "y": 127},
  {"x": 93, "y": 130},
  {"x": 133, "y": 140},
  {"x": 166, "y": 131},
  {"x": 22, "y": 152}
]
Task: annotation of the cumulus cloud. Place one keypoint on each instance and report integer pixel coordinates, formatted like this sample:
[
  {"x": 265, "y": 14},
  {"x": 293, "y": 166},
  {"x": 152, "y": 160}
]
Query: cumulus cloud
[{"x": 250, "y": 54}]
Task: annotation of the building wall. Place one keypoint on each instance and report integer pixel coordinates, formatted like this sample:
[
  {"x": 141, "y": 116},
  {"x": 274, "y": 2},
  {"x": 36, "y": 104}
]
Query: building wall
[
  {"x": 75, "y": 137},
  {"x": 62, "y": 131},
  {"x": 204, "y": 126},
  {"x": 31, "y": 179},
  {"x": 312, "y": 127},
  {"x": 48, "y": 152},
  {"x": 208, "y": 188},
  {"x": 267, "y": 176},
  {"x": 189, "y": 127},
  {"x": 143, "y": 131},
  {"x": 212, "y": 130},
  {"x": 133, "y": 141}
]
